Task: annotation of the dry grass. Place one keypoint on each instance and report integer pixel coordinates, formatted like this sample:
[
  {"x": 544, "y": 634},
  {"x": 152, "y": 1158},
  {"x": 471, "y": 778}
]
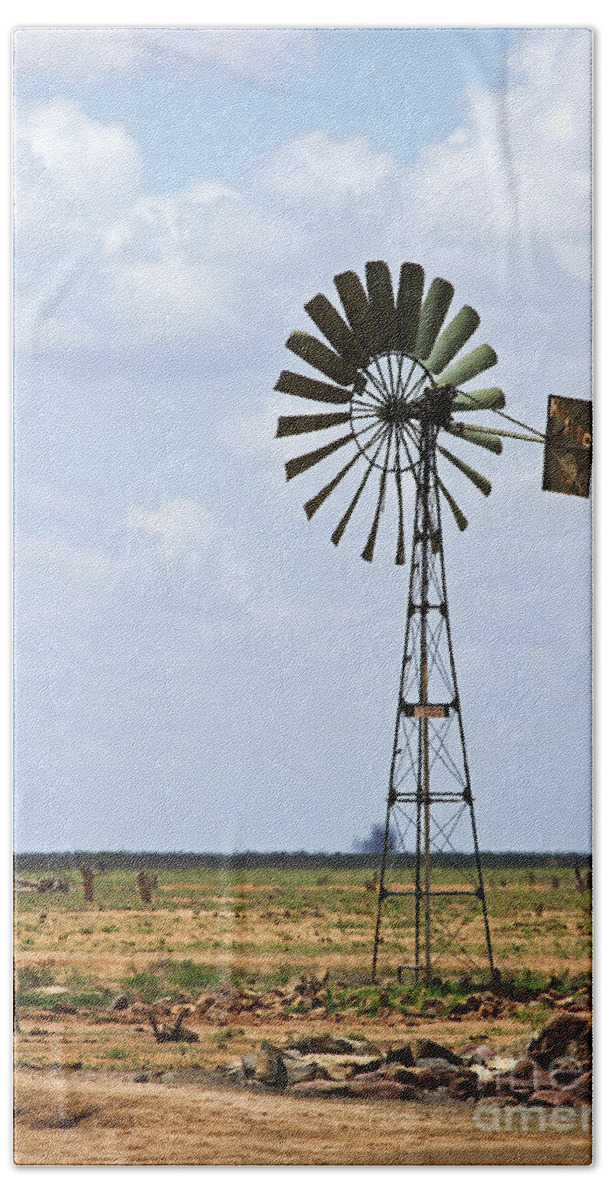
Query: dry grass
[{"x": 113, "y": 1122}]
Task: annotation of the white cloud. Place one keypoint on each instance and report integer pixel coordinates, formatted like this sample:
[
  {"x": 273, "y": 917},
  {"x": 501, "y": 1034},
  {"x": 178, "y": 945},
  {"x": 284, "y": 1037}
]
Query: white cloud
[
  {"x": 88, "y": 52},
  {"x": 315, "y": 168},
  {"x": 518, "y": 169},
  {"x": 214, "y": 273},
  {"x": 180, "y": 529}
]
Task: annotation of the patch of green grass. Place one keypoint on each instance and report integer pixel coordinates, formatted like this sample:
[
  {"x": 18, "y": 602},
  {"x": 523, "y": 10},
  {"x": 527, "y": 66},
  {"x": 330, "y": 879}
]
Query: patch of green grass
[
  {"x": 189, "y": 976},
  {"x": 149, "y": 985},
  {"x": 117, "y": 1053},
  {"x": 35, "y": 977}
]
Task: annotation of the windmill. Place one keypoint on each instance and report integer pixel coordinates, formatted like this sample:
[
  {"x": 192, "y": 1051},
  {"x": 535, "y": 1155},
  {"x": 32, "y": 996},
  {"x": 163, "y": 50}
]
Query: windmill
[{"x": 393, "y": 386}]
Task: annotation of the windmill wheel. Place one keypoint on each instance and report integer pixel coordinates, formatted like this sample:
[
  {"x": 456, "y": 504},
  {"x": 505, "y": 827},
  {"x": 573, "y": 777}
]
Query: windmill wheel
[{"x": 395, "y": 386}]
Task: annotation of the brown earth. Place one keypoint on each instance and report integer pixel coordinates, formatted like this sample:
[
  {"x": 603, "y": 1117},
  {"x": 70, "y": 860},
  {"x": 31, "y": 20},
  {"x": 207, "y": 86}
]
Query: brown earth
[{"x": 107, "y": 1121}]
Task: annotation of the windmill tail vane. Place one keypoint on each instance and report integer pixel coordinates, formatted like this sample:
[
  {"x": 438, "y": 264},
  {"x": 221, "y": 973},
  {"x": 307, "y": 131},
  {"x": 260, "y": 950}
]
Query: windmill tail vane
[{"x": 394, "y": 382}]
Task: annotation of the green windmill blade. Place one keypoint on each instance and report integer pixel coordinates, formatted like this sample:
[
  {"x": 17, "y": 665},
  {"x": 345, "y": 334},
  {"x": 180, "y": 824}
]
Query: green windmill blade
[
  {"x": 453, "y": 338},
  {"x": 295, "y": 466},
  {"x": 434, "y": 309},
  {"x": 337, "y": 332},
  {"x": 489, "y": 441},
  {"x": 457, "y": 513},
  {"x": 370, "y": 545},
  {"x": 311, "y": 389},
  {"x": 317, "y": 355},
  {"x": 409, "y": 301},
  {"x": 338, "y": 532},
  {"x": 289, "y": 426},
  {"x": 382, "y": 303},
  {"x": 485, "y": 398},
  {"x": 475, "y": 477},
  {"x": 357, "y": 309},
  {"x": 467, "y": 367}
]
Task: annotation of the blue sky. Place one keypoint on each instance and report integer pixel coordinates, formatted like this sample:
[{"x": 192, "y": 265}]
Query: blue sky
[{"x": 197, "y": 666}]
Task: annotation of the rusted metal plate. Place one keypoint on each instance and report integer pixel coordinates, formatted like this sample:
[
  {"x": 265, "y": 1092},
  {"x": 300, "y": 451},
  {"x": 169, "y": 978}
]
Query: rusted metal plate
[
  {"x": 426, "y": 710},
  {"x": 568, "y": 442}
]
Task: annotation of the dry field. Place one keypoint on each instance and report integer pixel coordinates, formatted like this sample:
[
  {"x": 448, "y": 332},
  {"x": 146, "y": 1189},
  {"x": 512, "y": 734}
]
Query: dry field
[{"x": 259, "y": 928}]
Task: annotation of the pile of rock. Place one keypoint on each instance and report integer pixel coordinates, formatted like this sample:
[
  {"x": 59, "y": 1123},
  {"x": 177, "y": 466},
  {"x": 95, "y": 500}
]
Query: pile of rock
[{"x": 553, "y": 1069}]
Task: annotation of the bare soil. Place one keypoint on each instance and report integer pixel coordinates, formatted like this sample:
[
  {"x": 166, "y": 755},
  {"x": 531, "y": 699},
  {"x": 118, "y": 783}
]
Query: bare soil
[{"x": 109, "y": 1121}]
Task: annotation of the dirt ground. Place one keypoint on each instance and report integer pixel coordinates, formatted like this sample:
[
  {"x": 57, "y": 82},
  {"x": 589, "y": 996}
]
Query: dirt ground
[
  {"x": 109, "y": 1121},
  {"x": 77, "y": 1101}
]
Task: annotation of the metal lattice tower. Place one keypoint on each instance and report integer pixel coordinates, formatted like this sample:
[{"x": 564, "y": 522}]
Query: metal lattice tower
[{"x": 429, "y": 787}]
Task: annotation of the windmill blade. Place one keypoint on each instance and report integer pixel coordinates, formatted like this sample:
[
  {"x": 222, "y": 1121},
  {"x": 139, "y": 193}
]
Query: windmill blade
[
  {"x": 382, "y": 303},
  {"x": 457, "y": 513},
  {"x": 315, "y": 502},
  {"x": 489, "y": 441},
  {"x": 478, "y": 360},
  {"x": 311, "y": 389},
  {"x": 453, "y": 339},
  {"x": 368, "y": 552},
  {"x": 476, "y": 477},
  {"x": 289, "y": 426},
  {"x": 493, "y": 398},
  {"x": 400, "y": 555},
  {"x": 335, "y": 329},
  {"x": 317, "y": 355},
  {"x": 434, "y": 309},
  {"x": 341, "y": 526},
  {"x": 357, "y": 309},
  {"x": 409, "y": 300},
  {"x": 295, "y": 466}
]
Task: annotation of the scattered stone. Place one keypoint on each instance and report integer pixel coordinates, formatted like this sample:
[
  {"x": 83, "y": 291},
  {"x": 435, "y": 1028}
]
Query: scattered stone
[
  {"x": 120, "y": 1003},
  {"x": 326, "y": 1043},
  {"x": 321, "y": 1087},
  {"x": 425, "y": 1048},
  {"x": 550, "y": 1097},
  {"x": 436, "y": 1064},
  {"x": 463, "y": 1086},
  {"x": 250, "y": 1062},
  {"x": 401, "y": 1054},
  {"x": 141, "y": 1078},
  {"x": 270, "y": 1068},
  {"x": 564, "y": 1031}
]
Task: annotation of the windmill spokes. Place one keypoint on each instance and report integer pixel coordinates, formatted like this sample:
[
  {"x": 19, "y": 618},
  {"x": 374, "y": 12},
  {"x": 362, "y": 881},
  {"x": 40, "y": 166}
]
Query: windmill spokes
[{"x": 392, "y": 363}]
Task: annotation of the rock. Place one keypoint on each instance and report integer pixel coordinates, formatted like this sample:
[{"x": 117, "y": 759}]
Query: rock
[
  {"x": 335, "y": 1066},
  {"x": 270, "y": 1068},
  {"x": 381, "y": 1089},
  {"x": 482, "y": 1073},
  {"x": 580, "y": 1092},
  {"x": 321, "y": 1087},
  {"x": 425, "y": 1048},
  {"x": 478, "y": 1054},
  {"x": 326, "y": 1043},
  {"x": 303, "y": 1071},
  {"x": 550, "y": 1097},
  {"x": 555, "y": 1039},
  {"x": 401, "y": 1054},
  {"x": 120, "y": 1003},
  {"x": 434, "y": 1078},
  {"x": 250, "y": 1062},
  {"x": 399, "y": 1073},
  {"x": 436, "y": 1064},
  {"x": 235, "y": 1069},
  {"x": 463, "y": 1085}
]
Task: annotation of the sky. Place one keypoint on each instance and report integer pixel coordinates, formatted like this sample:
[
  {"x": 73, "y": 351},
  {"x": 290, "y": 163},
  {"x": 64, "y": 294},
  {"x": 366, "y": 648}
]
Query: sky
[{"x": 197, "y": 667}]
